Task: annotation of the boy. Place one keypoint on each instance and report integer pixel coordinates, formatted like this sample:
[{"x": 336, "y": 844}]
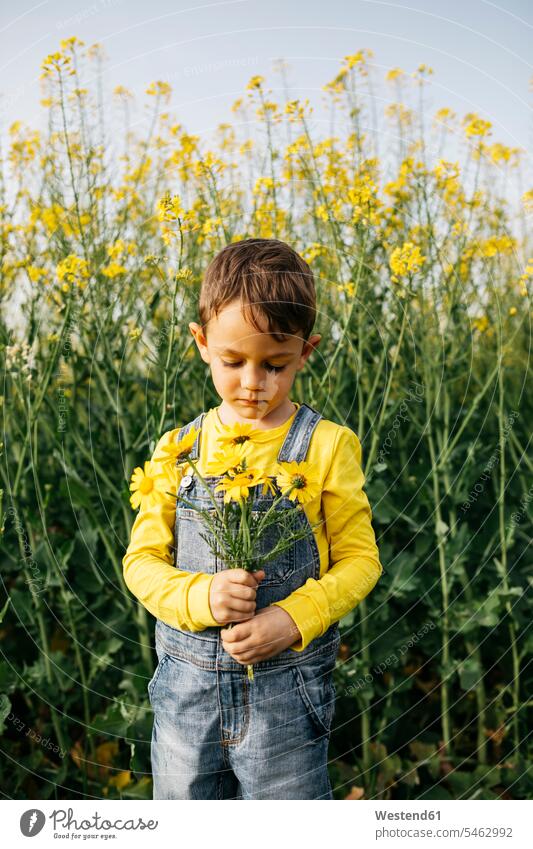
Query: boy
[{"x": 216, "y": 734}]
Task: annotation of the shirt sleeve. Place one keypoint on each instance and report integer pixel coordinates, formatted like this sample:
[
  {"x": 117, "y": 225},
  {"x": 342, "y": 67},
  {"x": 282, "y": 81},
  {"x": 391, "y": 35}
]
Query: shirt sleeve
[
  {"x": 177, "y": 597},
  {"x": 353, "y": 553}
]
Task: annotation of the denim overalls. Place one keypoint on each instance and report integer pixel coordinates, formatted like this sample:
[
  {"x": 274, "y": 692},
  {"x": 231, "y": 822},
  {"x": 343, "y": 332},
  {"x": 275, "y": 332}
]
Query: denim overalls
[{"x": 216, "y": 735}]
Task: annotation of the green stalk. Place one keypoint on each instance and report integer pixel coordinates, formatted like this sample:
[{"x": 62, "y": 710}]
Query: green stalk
[
  {"x": 472, "y": 646},
  {"x": 45, "y": 648},
  {"x": 166, "y": 366},
  {"x": 272, "y": 507},
  {"x": 376, "y": 433},
  {"x": 502, "y": 563},
  {"x": 366, "y": 727},
  {"x": 33, "y": 410},
  {"x": 63, "y": 590},
  {"x": 445, "y": 624},
  {"x": 340, "y": 343}
]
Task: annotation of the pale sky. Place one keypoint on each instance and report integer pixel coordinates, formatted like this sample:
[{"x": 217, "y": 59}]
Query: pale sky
[{"x": 208, "y": 52}]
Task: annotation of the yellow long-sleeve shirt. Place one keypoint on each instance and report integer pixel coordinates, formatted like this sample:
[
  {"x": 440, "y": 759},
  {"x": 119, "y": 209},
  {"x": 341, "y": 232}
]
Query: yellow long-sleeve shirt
[{"x": 349, "y": 558}]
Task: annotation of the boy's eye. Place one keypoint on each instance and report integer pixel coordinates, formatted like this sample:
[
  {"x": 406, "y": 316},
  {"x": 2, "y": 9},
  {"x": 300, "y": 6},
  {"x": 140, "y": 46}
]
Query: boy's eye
[{"x": 268, "y": 365}]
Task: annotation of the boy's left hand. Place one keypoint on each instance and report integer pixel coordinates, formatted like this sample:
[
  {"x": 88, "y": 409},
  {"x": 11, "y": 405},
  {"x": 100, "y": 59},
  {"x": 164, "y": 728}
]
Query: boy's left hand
[{"x": 265, "y": 635}]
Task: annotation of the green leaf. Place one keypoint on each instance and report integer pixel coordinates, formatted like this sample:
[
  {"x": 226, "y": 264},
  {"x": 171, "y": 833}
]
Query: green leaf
[
  {"x": 142, "y": 789},
  {"x": 469, "y": 673},
  {"x": 487, "y": 613},
  {"x": 4, "y": 609},
  {"x": 441, "y": 528},
  {"x": 113, "y": 721},
  {"x": 5, "y": 708},
  {"x": 404, "y": 581},
  {"x": 75, "y": 493}
]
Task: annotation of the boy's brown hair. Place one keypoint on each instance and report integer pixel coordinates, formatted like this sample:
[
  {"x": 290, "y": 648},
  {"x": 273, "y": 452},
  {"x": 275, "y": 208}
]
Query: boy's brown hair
[{"x": 269, "y": 278}]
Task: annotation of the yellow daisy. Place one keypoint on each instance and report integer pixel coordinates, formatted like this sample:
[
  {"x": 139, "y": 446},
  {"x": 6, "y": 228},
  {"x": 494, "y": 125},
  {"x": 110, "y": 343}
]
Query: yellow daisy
[
  {"x": 238, "y": 434},
  {"x": 149, "y": 486},
  {"x": 301, "y": 477},
  {"x": 238, "y": 486},
  {"x": 180, "y": 449},
  {"x": 268, "y": 485},
  {"x": 226, "y": 460}
]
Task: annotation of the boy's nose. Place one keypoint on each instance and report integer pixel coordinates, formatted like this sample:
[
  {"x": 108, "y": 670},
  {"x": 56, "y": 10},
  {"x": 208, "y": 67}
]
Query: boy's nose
[{"x": 253, "y": 382}]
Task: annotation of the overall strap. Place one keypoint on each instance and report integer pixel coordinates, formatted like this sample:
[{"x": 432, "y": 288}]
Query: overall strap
[
  {"x": 197, "y": 423},
  {"x": 296, "y": 443}
]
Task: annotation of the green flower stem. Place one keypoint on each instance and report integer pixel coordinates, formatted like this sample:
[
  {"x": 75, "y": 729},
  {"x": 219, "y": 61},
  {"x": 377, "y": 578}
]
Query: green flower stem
[
  {"x": 473, "y": 405},
  {"x": 44, "y": 644},
  {"x": 66, "y": 602},
  {"x": 272, "y": 507},
  {"x": 33, "y": 410},
  {"x": 194, "y": 464},
  {"x": 341, "y": 342},
  {"x": 376, "y": 432},
  {"x": 166, "y": 366},
  {"x": 366, "y": 725},
  {"x": 71, "y": 165},
  {"x": 471, "y": 645},
  {"x": 502, "y": 562}
]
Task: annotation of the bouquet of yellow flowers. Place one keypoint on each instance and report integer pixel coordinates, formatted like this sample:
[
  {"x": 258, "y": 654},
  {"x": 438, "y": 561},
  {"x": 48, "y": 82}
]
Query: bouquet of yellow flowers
[{"x": 235, "y": 530}]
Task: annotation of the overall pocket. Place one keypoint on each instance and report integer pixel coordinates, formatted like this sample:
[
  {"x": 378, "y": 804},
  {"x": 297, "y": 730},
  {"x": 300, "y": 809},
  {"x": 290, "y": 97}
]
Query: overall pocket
[
  {"x": 193, "y": 552},
  {"x": 314, "y": 684},
  {"x": 279, "y": 569},
  {"x": 155, "y": 677}
]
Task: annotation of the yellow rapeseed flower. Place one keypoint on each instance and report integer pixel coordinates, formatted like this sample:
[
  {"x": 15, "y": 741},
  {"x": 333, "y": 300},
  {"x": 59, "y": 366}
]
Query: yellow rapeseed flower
[
  {"x": 73, "y": 269},
  {"x": 421, "y": 72},
  {"x": 497, "y": 245},
  {"x": 57, "y": 62},
  {"x": 476, "y": 126},
  {"x": 71, "y": 43},
  {"x": 121, "y": 247},
  {"x": 255, "y": 83},
  {"x": 121, "y": 779},
  {"x": 300, "y": 476},
  {"x": 315, "y": 250},
  {"x": 406, "y": 260},
  {"x": 527, "y": 200},
  {"x": 170, "y": 208},
  {"x": 35, "y": 273},
  {"x": 159, "y": 89},
  {"x": 122, "y": 91},
  {"x": 481, "y": 323},
  {"x": 113, "y": 270},
  {"x": 444, "y": 114},
  {"x": 394, "y": 74}
]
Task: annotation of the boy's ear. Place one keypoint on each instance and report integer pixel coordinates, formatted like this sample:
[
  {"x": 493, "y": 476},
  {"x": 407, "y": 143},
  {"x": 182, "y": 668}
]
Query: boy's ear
[
  {"x": 199, "y": 338},
  {"x": 309, "y": 346}
]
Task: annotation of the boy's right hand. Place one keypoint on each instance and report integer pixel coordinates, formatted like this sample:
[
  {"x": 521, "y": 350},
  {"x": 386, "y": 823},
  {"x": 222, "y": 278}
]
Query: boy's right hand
[{"x": 232, "y": 595}]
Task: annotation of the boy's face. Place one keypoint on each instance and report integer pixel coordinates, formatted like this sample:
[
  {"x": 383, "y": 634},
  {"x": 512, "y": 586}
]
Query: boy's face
[{"x": 248, "y": 365}]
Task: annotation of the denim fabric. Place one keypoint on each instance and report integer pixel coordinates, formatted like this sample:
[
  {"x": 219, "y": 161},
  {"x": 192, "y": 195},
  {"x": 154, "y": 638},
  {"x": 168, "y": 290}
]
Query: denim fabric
[{"x": 217, "y": 735}]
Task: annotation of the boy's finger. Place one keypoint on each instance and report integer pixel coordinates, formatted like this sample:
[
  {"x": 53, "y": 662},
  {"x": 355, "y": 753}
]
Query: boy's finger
[
  {"x": 259, "y": 575},
  {"x": 241, "y": 605},
  {"x": 235, "y": 634},
  {"x": 241, "y": 576}
]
